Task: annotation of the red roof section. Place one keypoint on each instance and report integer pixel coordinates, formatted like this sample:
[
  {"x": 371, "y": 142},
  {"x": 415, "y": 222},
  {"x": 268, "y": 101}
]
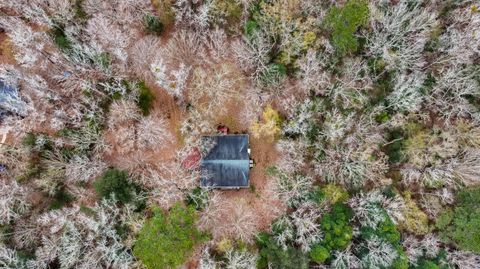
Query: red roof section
[{"x": 192, "y": 161}]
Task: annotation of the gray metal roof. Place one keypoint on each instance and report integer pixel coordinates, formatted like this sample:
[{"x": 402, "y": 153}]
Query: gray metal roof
[{"x": 226, "y": 165}]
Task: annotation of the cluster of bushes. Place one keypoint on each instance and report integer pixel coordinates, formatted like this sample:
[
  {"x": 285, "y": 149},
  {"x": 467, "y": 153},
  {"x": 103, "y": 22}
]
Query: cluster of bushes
[
  {"x": 386, "y": 232},
  {"x": 116, "y": 184},
  {"x": 337, "y": 232},
  {"x": 343, "y": 22},
  {"x": 271, "y": 253},
  {"x": 459, "y": 225},
  {"x": 335, "y": 228}
]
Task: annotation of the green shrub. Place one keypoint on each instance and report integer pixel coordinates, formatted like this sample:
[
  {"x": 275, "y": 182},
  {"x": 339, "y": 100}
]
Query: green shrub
[
  {"x": 60, "y": 38},
  {"x": 103, "y": 60},
  {"x": 319, "y": 254},
  {"x": 395, "y": 146},
  {"x": 115, "y": 182},
  {"x": 383, "y": 86},
  {"x": 461, "y": 225},
  {"x": 197, "y": 198},
  {"x": 415, "y": 221},
  {"x": 439, "y": 262},
  {"x": 387, "y": 231},
  {"x": 228, "y": 10},
  {"x": 273, "y": 74},
  {"x": 29, "y": 140},
  {"x": 167, "y": 239},
  {"x": 344, "y": 22},
  {"x": 273, "y": 255},
  {"x": 145, "y": 98},
  {"x": 152, "y": 25},
  {"x": 335, "y": 225},
  {"x": 444, "y": 219},
  {"x": 335, "y": 193},
  {"x": 61, "y": 199},
  {"x": 317, "y": 195},
  {"x": 337, "y": 232},
  {"x": 250, "y": 27}
]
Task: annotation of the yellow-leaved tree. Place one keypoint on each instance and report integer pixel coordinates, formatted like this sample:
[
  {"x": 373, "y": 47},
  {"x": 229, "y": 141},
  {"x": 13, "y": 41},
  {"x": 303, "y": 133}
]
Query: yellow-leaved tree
[
  {"x": 415, "y": 220},
  {"x": 269, "y": 127}
]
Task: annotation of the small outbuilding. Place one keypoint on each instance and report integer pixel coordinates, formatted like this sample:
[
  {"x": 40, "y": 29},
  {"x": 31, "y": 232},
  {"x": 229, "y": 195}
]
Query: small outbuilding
[{"x": 227, "y": 164}]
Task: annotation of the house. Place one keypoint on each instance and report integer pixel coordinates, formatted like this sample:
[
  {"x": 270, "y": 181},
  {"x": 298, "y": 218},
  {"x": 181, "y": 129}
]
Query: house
[{"x": 227, "y": 164}]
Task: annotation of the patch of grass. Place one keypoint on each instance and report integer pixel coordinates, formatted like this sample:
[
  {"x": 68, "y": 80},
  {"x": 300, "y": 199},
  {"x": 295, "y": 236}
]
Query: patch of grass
[
  {"x": 33, "y": 169},
  {"x": 6, "y": 49},
  {"x": 145, "y": 98},
  {"x": 252, "y": 188},
  {"x": 103, "y": 60}
]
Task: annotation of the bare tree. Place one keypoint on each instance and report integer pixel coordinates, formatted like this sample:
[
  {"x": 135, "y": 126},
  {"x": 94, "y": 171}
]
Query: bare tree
[
  {"x": 229, "y": 218},
  {"x": 292, "y": 188},
  {"x": 370, "y": 208},
  {"x": 351, "y": 167},
  {"x": 464, "y": 259},
  {"x": 253, "y": 54},
  {"x": 212, "y": 88},
  {"x": 123, "y": 112},
  {"x": 152, "y": 133},
  {"x": 9, "y": 258},
  {"x": 312, "y": 72},
  {"x": 13, "y": 201},
  {"x": 206, "y": 260},
  {"x": 399, "y": 34},
  {"x": 174, "y": 82},
  {"x": 81, "y": 168},
  {"x": 237, "y": 259},
  {"x": 116, "y": 42},
  {"x": 380, "y": 253},
  {"x": 407, "y": 92},
  {"x": 141, "y": 56},
  {"x": 429, "y": 246},
  {"x": 29, "y": 43},
  {"x": 345, "y": 259},
  {"x": 350, "y": 88},
  {"x": 305, "y": 219},
  {"x": 85, "y": 241}
]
